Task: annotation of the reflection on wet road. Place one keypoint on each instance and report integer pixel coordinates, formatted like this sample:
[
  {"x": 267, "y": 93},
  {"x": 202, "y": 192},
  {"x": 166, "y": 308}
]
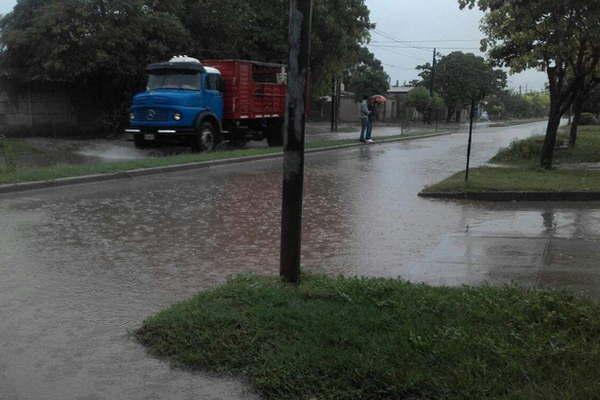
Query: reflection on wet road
[{"x": 82, "y": 266}]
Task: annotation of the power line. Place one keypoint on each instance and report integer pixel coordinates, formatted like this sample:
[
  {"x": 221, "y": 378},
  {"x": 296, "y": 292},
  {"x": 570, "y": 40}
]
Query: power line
[
  {"x": 427, "y": 41},
  {"x": 396, "y": 40},
  {"x": 425, "y": 48},
  {"x": 414, "y": 57},
  {"x": 403, "y": 43}
]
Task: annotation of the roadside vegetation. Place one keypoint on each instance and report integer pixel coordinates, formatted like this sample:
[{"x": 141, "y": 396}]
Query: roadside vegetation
[
  {"x": 488, "y": 179},
  {"x": 513, "y": 122},
  {"x": 371, "y": 339},
  {"x": 518, "y": 168},
  {"x": 10, "y": 172},
  {"x": 528, "y": 151}
]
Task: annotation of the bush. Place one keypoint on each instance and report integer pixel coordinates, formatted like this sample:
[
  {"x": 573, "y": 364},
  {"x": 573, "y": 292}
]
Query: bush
[
  {"x": 527, "y": 149},
  {"x": 588, "y": 119}
]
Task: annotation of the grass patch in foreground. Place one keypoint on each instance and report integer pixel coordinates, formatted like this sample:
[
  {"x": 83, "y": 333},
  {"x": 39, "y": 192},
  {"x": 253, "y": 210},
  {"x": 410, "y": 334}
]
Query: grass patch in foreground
[
  {"x": 528, "y": 151},
  {"x": 13, "y": 175},
  {"x": 371, "y": 339},
  {"x": 488, "y": 179}
]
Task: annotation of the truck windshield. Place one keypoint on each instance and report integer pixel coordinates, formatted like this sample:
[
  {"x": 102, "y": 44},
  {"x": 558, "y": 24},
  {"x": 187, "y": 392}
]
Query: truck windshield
[{"x": 174, "y": 80}]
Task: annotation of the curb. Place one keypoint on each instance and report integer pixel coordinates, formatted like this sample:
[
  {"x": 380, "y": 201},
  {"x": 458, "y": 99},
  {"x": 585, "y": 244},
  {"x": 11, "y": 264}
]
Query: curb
[
  {"x": 23, "y": 186},
  {"x": 514, "y": 196}
]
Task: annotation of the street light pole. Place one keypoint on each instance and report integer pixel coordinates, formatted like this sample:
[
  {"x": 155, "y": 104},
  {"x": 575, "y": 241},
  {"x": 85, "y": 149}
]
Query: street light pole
[{"x": 293, "y": 159}]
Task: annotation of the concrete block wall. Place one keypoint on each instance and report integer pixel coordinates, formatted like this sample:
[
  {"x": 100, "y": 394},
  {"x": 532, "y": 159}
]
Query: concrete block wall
[{"x": 34, "y": 111}]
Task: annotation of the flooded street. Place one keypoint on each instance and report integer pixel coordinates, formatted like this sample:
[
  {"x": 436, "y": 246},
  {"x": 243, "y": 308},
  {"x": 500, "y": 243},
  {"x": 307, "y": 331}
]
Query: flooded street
[{"x": 82, "y": 266}]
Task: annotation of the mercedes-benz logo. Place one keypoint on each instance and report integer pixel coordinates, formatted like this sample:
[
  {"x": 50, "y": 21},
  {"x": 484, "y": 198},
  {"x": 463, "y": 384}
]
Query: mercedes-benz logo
[{"x": 151, "y": 114}]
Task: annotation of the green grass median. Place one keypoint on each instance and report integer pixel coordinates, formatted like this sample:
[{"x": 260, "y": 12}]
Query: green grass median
[
  {"x": 10, "y": 174},
  {"x": 518, "y": 170},
  {"x": 376, "y": 339},
  {"x": 490, "y": 179}
]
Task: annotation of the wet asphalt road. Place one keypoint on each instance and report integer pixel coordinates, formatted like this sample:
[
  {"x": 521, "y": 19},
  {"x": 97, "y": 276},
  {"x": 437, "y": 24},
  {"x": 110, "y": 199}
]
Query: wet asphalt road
[{"x": 82, "y": 266}]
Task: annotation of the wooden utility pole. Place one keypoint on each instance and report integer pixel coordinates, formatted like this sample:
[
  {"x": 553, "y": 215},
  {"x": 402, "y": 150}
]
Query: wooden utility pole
[
  {"x": 338, "y": 101},
  {"x": 333, "y": 105},
  {"x": 293, "y": 159},
  {"x": 431, "y": 85},
  {"x": 433, "y": 65},
  {"x": 470, "y": 139}
]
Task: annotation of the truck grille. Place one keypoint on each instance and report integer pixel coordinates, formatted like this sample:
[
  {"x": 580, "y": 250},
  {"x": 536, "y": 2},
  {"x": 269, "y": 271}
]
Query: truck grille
[{"x": 153, "y": 114}]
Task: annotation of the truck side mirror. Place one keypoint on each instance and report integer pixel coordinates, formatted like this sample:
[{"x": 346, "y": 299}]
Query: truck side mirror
[{"x": 221, "y": 85}]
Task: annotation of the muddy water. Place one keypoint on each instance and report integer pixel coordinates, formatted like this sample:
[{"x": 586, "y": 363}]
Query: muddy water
[{"x": 84, "y": 265}]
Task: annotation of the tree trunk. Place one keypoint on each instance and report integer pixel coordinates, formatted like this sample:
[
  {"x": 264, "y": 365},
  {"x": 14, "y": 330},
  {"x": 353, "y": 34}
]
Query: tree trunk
[
  {"x": 575, "y": 121},
  {"x": 550, "y": 140}
]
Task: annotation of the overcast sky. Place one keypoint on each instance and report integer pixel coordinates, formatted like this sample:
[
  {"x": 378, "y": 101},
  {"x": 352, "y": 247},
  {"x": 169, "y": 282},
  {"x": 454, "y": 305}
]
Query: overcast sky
[{"x": 439, "y": 22}]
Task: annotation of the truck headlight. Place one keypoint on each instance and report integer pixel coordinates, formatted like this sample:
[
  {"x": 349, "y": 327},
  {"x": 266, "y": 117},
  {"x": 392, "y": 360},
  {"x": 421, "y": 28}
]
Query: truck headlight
[
  {"x": 177, "y": 116},
  {"x": 131, "y": 116}
]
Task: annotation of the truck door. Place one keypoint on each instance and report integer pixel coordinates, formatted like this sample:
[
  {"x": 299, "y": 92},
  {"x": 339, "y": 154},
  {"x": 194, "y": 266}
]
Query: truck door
[{"x": 213, "y": 94}]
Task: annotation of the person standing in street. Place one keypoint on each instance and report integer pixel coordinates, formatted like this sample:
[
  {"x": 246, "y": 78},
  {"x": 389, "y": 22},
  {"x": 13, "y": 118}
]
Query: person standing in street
[
  {"x": 371, "y": 120},
  {"x": 364, "y": 119}
]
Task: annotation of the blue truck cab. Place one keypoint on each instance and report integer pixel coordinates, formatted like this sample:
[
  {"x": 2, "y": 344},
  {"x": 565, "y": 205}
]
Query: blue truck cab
[{"x": 183, "y": 102}]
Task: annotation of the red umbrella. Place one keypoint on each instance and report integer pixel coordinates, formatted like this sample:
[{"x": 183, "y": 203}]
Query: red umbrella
[{"x": 378, "y": 99}]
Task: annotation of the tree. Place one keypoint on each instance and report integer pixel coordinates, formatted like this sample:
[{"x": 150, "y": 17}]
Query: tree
[
  {"x": 460, "y": 78},
  {"x": 419, "y": 99},
  {"x": 257, "y": 30},
  {"x": 508, "y": 104},
  {"x": 560, "y": 37},
  {"x": 98, "y": 49},
  {"x": 582, "y": 96},
  {"x": 592, "y": 103},
  {"x": 437, "y": 105},
  {"x": 368, "y": 76}
]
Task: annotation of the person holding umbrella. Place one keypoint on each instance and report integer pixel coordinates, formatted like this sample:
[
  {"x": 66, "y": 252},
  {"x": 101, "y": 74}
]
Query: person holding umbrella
[
  {"x": 373, "y": 101},
  {"x": 364, "y": 118}
]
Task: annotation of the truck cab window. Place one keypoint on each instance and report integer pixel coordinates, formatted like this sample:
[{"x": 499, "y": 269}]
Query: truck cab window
[
  {"x": 212, "y": 82},
  {"x": 174, "y": 80}
]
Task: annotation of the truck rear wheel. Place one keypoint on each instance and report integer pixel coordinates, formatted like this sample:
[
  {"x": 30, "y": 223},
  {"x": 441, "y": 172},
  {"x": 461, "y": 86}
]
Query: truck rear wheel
[
  {"x": 205, "y": 139},
  {"x": 274, "y": 133}
]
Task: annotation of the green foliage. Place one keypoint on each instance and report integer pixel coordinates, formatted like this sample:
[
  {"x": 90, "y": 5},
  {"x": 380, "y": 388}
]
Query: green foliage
[
  {"x": 520, "y": 150},
  {"x": 592, "y": 103},
  {"x": 560, "y": 37},
  {"x": 376, "y": 339},
  {"x": 437, "y": 102},
  {"x": 540, "y": 33},
  {"x": 588, "y": 119},
  {"x": 507, "y": 104},
  {"x": 100, "y": 48},
  {"x": 461, "y": 78},
  {"x": 367, "y": 78},
  {"x": 97, "y": 48},
  {"x": 419, "y": 99},
  {"x": 528, "y": 150}
]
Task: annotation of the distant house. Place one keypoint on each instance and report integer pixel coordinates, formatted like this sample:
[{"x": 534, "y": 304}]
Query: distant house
[
  {"x": 395, "y": 109},
  {"x": 349, "y": 108}
]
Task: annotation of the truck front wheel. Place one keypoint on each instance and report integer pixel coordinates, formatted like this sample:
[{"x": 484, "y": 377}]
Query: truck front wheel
[
  {"x": 139, "y": 141},
  {"x": 205, "y": 139}
]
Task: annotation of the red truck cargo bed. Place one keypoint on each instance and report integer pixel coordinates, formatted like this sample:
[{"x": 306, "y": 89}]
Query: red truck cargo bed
[{"x": 251, "y": 89}]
